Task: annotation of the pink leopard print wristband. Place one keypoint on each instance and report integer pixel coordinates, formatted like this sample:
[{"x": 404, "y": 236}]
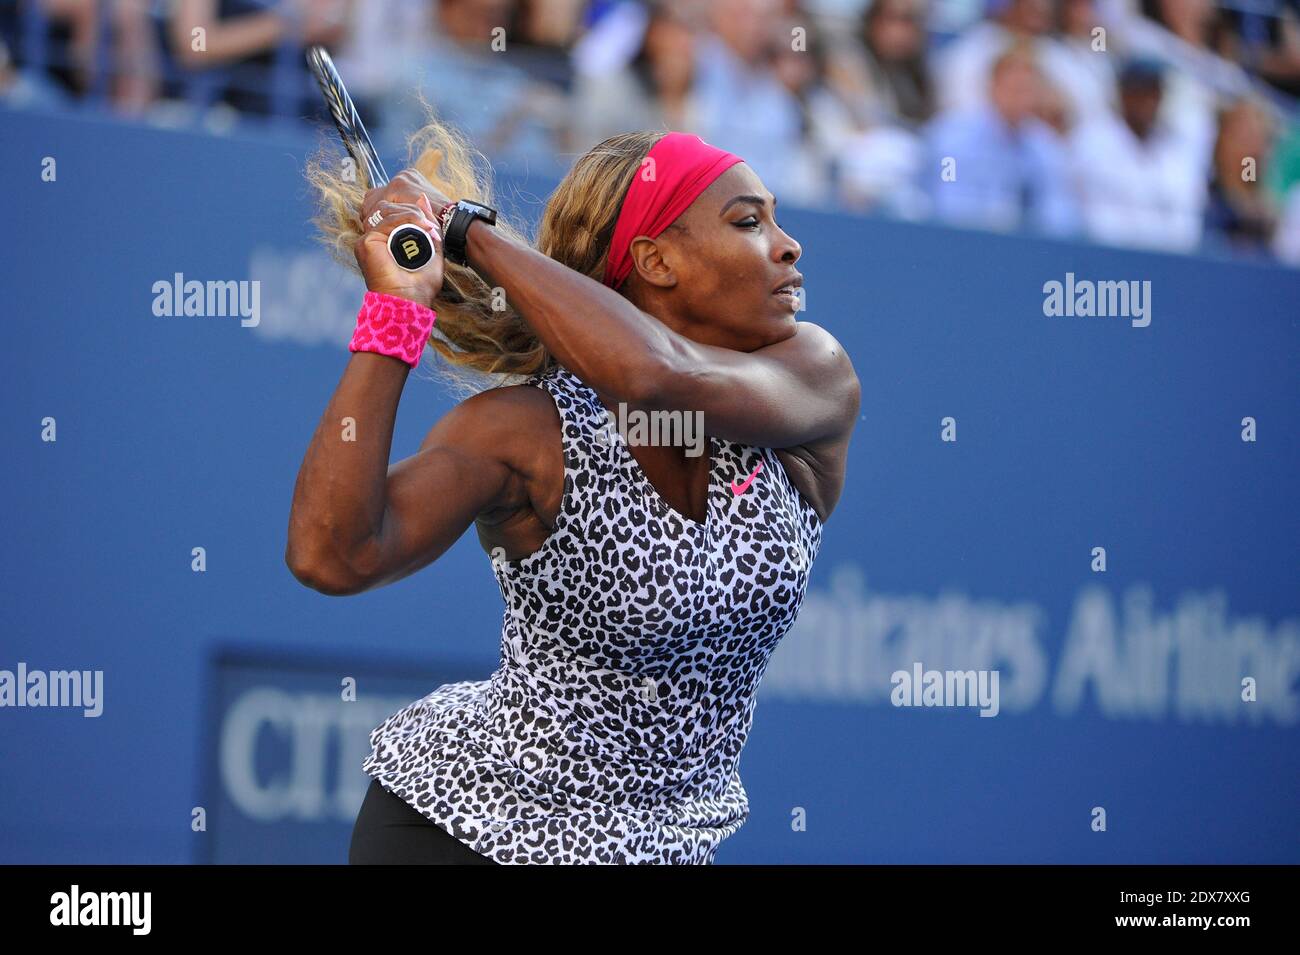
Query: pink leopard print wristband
[{"x": 392, "y": 325}]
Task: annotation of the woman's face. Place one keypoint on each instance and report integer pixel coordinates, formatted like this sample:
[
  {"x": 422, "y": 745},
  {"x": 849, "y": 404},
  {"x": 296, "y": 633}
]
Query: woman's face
[{"x": 716, "y": 274}]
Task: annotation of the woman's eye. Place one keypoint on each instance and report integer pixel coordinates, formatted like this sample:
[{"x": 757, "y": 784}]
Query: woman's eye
[{"x": 748, "y": 223}]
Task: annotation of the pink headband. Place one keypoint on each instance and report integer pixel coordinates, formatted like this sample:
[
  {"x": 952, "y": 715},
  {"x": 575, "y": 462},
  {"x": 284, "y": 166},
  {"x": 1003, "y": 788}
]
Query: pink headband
[{"x": 683, "y": 166}]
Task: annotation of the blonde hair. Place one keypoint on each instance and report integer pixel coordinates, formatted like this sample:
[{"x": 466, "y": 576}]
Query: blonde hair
[{"x": 482, "y": 340}]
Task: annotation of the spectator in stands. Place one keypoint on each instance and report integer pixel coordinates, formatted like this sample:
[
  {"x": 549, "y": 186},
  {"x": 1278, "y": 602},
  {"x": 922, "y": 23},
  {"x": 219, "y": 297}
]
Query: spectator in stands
[
  {"x": 1189, "y": 38},
  {"x": 470, "y": 75},
  {"x": 1283, "y": 172},
  {"x": 879, "y": 170},
  {"x": 544, "y": 31},
  {"x": 27, "y": 89},
  {"x": 743, "y": 107},
  {"x": 1198, "y": 23},
  {"x": 71, "y": 40},
  {"x": 881, "y": 73},
  {"x": 1240, "y": 207},
  {"x": 881, "y": 69},
  {"x": 1141, "y": 183},
  {"x": 247, "y": 38},
  {"x": 799, "y": 62},
  {"x": 1266, "y": 40},
  {"x": 635, "y": 70},
  {"x": 997, "y": 165},
  {"x": 137, "y": 57},
  {"x": 378, "y": 53},
  {"x": 1089, "y": 90},
  {"x": 963, "y": 66},
  {"x": 88, "y": 49}
]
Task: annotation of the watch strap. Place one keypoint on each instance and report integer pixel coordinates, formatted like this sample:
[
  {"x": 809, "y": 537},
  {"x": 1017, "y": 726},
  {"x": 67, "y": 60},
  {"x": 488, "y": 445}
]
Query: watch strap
[{"x": 455, "y": 235}]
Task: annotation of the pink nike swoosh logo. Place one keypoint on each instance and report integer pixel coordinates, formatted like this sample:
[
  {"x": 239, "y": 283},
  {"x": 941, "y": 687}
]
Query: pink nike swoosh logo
[{"x": 739, "y": 489}]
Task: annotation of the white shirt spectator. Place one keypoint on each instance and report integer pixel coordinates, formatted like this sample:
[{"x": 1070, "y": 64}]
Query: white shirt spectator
[
  {"x": 1195, "y": 85},
  {"x": 1148, "y": 194}
]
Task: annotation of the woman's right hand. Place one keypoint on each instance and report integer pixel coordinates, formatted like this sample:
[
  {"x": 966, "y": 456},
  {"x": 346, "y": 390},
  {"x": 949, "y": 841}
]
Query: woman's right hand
[{"x": 381, "y": 273}]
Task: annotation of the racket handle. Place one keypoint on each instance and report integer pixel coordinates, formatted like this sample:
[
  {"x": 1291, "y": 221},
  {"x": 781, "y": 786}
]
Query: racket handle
[{"x": 411, "y": 247}]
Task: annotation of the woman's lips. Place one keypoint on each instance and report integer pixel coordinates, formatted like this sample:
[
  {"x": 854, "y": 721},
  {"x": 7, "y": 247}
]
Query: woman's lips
[{"x": 789, "y": 295}]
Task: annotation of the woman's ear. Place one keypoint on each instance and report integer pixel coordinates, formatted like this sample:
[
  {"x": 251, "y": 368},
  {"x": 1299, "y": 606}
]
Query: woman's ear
[{"x": 648, "y": 262}]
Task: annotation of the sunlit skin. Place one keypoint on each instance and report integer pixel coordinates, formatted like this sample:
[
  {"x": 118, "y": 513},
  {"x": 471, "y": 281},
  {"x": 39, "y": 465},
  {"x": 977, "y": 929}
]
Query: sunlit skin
[
  {"x": 710, "y": 275},
  {"x": 700, "y": 329}
]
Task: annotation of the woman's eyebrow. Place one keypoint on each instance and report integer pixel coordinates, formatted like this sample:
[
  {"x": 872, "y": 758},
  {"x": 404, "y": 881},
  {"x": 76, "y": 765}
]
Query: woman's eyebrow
[{"x": 756, "y": 200}]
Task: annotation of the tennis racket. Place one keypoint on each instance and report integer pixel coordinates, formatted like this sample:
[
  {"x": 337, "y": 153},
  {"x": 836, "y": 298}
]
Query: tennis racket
[{"x": 410, "y": 246}]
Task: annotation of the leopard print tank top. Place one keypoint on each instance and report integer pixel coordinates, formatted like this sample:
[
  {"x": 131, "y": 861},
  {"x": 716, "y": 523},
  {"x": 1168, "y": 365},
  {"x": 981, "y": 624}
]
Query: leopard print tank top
[{"x": 632, "y": 645}]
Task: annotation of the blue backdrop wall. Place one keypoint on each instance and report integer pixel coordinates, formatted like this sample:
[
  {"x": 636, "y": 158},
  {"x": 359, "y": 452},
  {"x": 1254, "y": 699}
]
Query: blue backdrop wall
[{"x": 1121, "y": 691}]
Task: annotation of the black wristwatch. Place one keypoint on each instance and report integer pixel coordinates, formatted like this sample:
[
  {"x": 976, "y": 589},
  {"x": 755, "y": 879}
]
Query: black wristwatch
[{"x": 455, "y": 237}]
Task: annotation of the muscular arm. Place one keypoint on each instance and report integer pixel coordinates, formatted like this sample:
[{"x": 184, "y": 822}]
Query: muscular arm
[
  {"x": 794, "y": 393},
  {"x": 355, "y": 522},
  {"x": 594, "y": 332},
  {"x": 789, "y": 394}
]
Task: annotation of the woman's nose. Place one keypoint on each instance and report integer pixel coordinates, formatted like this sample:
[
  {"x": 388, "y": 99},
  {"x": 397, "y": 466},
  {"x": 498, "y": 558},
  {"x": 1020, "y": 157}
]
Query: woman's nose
[{"x": 790, "y": 249}]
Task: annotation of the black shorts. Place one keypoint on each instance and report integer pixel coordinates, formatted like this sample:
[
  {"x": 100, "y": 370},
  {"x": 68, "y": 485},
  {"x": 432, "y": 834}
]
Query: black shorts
[{"x": 389, "y": 832}]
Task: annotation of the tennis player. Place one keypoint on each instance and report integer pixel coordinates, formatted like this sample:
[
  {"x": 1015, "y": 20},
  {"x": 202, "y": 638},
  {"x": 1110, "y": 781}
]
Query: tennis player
[{"x": 644, "y": 588}]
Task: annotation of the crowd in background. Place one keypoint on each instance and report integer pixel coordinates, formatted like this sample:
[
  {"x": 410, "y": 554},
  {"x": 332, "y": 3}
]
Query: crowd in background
[{"x": 1164, "y": 124}]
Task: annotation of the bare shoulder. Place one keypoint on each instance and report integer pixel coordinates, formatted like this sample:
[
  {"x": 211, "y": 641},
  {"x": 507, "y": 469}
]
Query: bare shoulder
[
  {"x": 817, "y": 468},
  {"x": 816, "y": 355},
  {"x": 830, "y": 358},
  {"x": 815, "y": 334},
  {"x": 813, "y": 340}
]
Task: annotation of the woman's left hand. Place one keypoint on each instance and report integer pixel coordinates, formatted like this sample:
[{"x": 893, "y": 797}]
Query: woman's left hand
[{"x": 405, "y": 188}]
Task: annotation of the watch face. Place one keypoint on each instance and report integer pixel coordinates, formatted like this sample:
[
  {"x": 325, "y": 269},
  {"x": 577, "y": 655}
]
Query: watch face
[{"x": 477, "y": 208}]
